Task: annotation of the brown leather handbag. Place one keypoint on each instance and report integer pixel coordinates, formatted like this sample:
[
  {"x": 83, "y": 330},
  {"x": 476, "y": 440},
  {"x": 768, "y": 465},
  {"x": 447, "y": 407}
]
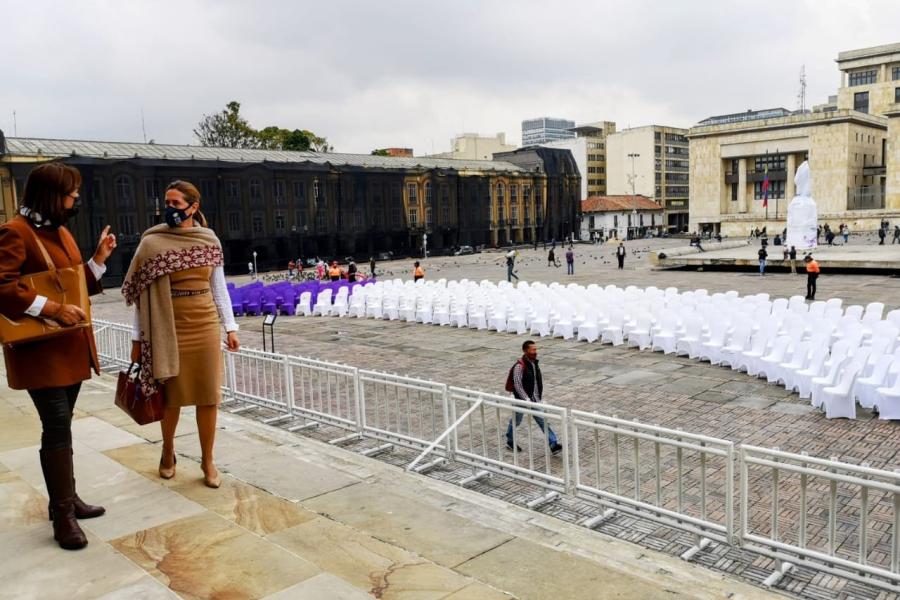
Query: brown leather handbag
[
  {"x": 66, "y": 286},
  {"x": 130, "y": 398}
]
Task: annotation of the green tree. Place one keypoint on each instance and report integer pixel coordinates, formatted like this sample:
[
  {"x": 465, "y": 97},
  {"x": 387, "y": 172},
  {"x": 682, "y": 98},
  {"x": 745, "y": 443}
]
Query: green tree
[
  {"x": 227, "y": 129},
  {"x": 380, "y": 152}
]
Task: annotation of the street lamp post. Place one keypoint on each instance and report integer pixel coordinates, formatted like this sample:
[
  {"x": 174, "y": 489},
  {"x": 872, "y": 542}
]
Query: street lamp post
[
  {"x": 632, "y": 156},
  {"x": 255, "y": 270}
]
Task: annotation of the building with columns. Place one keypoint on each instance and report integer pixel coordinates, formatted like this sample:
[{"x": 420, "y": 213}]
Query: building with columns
[
  {"x": 283, "y": 204},
  {"x": 852, "y": 144}
]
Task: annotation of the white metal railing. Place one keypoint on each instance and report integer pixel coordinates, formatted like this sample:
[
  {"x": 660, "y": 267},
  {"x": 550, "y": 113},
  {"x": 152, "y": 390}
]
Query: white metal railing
[
  {"x": 832, "y": 496},
  {"x": 690, "y": 484},
  {"x": 675, "y": 478}
]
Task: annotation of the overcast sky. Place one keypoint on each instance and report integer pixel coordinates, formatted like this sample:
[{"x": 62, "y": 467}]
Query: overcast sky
[{"x": 413, "y": 73}]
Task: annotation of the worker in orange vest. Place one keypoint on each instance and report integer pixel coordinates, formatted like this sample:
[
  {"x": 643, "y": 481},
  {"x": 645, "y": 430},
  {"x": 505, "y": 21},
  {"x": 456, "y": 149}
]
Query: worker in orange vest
[
  {"x": 812, "y": 274},
  {"x": 334, "y": 271},
  {"x": 419, "y": 272}
]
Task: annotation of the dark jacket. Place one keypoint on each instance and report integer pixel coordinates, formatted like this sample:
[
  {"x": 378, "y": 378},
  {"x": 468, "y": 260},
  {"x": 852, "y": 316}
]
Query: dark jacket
[{"x": 59, "y": 361}]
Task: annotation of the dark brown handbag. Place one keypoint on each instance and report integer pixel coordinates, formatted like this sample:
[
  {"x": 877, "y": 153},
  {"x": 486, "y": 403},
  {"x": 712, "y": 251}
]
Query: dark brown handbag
[
  {"x": 130, "y": 398},
  {"x": 65, "y": 286}
]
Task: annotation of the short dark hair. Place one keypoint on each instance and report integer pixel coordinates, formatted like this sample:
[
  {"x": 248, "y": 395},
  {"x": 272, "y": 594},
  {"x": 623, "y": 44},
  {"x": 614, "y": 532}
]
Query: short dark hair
[
  {"x": 526, "y": 344},
  {"x": 46, "y": 188},
  {"x": 808, "y": 257}
]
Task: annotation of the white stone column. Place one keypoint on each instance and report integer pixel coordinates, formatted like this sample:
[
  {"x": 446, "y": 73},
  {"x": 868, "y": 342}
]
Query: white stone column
[
  {"x": 789, "y": 189},
  {"x": 892, "y": 162}
]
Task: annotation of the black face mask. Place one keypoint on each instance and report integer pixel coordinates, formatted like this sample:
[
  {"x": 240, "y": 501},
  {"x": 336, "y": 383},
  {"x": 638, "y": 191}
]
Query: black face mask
[{"x": 175, "y": 216}]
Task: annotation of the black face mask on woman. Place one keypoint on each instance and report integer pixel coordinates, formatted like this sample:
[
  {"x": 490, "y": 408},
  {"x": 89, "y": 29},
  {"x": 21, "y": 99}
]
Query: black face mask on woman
[{"x": 176, "y": 216}]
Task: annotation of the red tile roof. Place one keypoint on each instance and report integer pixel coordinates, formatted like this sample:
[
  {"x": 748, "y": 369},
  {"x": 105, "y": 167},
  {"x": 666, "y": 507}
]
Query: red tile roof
[{"x": 618, "y": 204}]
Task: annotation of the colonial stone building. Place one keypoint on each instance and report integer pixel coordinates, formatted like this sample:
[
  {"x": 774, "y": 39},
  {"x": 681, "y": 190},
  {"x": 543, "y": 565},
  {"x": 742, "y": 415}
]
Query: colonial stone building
[
  {"x": 852, "y": 144},
  {"x": 286, "y": 204}
]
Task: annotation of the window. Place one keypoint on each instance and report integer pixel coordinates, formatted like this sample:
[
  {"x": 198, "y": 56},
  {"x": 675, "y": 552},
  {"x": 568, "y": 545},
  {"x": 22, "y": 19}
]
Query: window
[
  {"x": 126, "y": 225},
  {"x": 233, "y": 191},
  {"x": 300, "y": 218},
  {"x": 429, "y": 218},
  {"x": 255, "y": 189},
  {"x": 895, "y": 73},
  {"x": 207, "y": 190},
  {"x": 278, "y": 191},
  {"x": 151, "y": 191},
  {"x": 395, "y": 216},
  {"x": 514, "y": 214},
  {"x": 97, "y": 194},
  {"x": 616, "y": 221},
  {"x": 411, "y": 193},
  {"x": 776, "y": 190},
  {"x": 445, "y": 212},
  {"x": 234, "y": 222},
  {"x": 279, "y": 222},
  {"x": 676, "y": 177},
  {"x": 321, "y": 221},
  {"x": 358, "y": 220},
  {"x": 897, "y": 95},
  {"x": 317, "y": 192},
  {"x": 124, "y": 191},
  {"x": 428, "y": 198},
  {"x": 774, "y": 162},
  {"x": 258, "y": 225},
  {"x": 681, "y": 190},
  {"x": 861, "y": 102},
  {"x": 526, "y": 193},
  {"x": 863, "y": 77},
  {"x": 300, "y": 194},
  {"x": 513, "y": 194},
  {"x": 500, "y": 192},
  {"x": 734, "y": 192},
  {"x": 413, "y": 217}
]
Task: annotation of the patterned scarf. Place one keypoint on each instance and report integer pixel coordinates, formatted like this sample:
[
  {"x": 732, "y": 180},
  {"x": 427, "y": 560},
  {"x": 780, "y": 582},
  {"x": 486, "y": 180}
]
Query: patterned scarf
[{"x": 164, "y": 250}]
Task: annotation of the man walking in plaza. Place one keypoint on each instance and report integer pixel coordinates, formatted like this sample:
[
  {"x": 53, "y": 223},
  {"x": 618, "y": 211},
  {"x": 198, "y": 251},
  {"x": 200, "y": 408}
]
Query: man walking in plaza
[
  {"x": 620, "y": 255},
  {"x": 763, "y": 255},
  {"x": 570, "y": 261},
  {"x": 792, "y": 256},
  {"x": 526, "y": 383},
  {"x": 812, "y": 274},
  {"x": 511, "y": 265},
  {"x": 896, "y": 235}
]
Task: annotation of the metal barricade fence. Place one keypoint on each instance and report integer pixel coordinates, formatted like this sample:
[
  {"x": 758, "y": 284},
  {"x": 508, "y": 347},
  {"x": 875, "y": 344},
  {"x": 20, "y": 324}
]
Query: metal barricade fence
[
  {"x": 680, "y": 479},
  {"x": 403, "y": 410},
  {"x": 507, "y": 436},
  {"x": 259, "y": 379},
  {"x": 113, "y": 342},
  {"x": 323, "y": 391},
  {"x": 827, "y": 515}
]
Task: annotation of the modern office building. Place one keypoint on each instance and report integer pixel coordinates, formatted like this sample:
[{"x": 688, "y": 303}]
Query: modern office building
[
  {"x": 852, "y": 143},
  {"x": 283, "y": 204},
  {"x": 471, "y": 146},
  {"x": 653, "y": 161},
  {"x": 589, "y": 150},
  {"x": 546, "y": 129}
]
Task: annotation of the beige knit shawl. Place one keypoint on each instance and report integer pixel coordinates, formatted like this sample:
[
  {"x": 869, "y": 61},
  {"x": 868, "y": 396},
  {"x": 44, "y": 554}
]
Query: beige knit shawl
[{"x": 164, "y": 250}]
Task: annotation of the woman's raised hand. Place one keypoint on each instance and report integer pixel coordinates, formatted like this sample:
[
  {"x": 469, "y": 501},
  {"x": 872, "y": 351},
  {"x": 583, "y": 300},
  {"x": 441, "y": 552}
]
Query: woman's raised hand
[{"x": 105, "y": 247}]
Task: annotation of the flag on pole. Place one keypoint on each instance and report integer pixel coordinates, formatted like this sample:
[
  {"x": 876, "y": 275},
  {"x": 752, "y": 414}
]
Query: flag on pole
[{"x": 765, "y": 188}]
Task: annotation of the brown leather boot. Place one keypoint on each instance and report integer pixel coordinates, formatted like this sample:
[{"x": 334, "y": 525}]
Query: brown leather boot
[
  {"x": 82, "y": 509},
  {"x": 60, "y": 487}
]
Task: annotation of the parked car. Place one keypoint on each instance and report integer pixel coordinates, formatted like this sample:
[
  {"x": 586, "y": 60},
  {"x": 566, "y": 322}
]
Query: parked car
[
  {"x": 386, "y": 256},
  {"x": 464, "y": 250}
]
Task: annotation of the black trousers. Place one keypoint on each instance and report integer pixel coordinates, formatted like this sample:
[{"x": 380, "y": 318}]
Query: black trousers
[
  {"x": 811, "y": 284},
  {"x": 55, "y": 407},
  {"x": 621, "y": 260}
]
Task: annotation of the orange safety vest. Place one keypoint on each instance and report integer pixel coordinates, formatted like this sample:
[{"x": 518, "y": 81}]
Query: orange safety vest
[
  {"x": 334, "y": 272},
  {"x": 419, "y": 272},
  {"x": 812, "y": 267}
]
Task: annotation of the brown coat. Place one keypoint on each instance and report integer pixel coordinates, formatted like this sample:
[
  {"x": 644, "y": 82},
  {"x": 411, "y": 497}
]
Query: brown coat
[{"x": 59, "y": 361}]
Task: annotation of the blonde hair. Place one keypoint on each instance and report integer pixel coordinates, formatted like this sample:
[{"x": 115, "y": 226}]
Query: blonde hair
[{"x": 191, "y": 195}]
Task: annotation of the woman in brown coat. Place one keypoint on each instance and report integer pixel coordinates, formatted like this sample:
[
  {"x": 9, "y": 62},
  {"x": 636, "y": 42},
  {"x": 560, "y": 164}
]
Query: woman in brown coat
[
  {"x": 177, "y": 285},
  {"x": 51, "y": 370}
]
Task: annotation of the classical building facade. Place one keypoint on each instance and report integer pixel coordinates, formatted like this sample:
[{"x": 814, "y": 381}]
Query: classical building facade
[
  {"x": 286, "y": 204},
  {"x": 654, "y": 161},
  {"x": 852, "y": 143}
]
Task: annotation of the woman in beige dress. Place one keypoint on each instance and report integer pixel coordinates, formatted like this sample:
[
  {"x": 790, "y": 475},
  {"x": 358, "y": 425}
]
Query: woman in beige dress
[{"x": 177, "y": 286}]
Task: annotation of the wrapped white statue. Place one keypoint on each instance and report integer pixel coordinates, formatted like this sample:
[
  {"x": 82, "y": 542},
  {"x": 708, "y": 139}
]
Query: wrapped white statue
[{"x": 802, "y": 217}]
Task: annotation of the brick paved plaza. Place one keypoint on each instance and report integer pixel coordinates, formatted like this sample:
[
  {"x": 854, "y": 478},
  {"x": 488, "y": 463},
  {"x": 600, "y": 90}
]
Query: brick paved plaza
[{"x": 674, "y": 392}]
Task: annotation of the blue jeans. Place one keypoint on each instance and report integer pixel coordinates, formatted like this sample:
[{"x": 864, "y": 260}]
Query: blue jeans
[
  {"x": 762, "y": 266},
  {"x": 510, "y": 274},
  {"x": 571, "y": 268},
  {"x": 545, "y": 428}
]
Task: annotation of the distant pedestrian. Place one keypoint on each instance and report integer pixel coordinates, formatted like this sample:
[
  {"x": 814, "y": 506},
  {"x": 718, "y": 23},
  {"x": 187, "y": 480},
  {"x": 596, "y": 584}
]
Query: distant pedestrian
[
  {"x": 792, "y": 256},
  {"x": 320, "y": 269},
  {"x": 620, "y": 255},
  {"x": 812, "y": 274},
  {"x": 845, "y": 231},
  {"x": 334, "y": 272},
  {"x": 881, "y": 235},
  {"x": 570, "y": 261},
  {"x": 511, "y": 265},
  {"x": 762, "y": 260},
  {"x": 896, "y": 235},
  {"x": 351, "y": 271},
  {"x": 551, "y": 258},
  {"x": 526, "y": 383},
  {"x": 418, "y": 271},
  {"x": 372, "y": 266},
  {"x": 250, "y": 270}
]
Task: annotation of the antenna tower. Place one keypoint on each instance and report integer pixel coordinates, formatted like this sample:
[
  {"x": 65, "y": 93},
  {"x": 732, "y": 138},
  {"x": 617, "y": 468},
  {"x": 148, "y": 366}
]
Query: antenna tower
[{"x": 801, "y": 95}]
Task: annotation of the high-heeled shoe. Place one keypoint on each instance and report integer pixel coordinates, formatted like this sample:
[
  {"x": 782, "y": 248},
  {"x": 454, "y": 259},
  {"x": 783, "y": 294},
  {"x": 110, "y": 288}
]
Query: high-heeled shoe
[
  {"x": 167, "y": 472},
  {"x": 211, "y": 481}
]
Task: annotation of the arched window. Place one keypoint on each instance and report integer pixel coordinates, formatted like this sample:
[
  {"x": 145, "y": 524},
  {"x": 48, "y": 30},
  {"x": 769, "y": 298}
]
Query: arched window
[{"x": 124, "y": 190}]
